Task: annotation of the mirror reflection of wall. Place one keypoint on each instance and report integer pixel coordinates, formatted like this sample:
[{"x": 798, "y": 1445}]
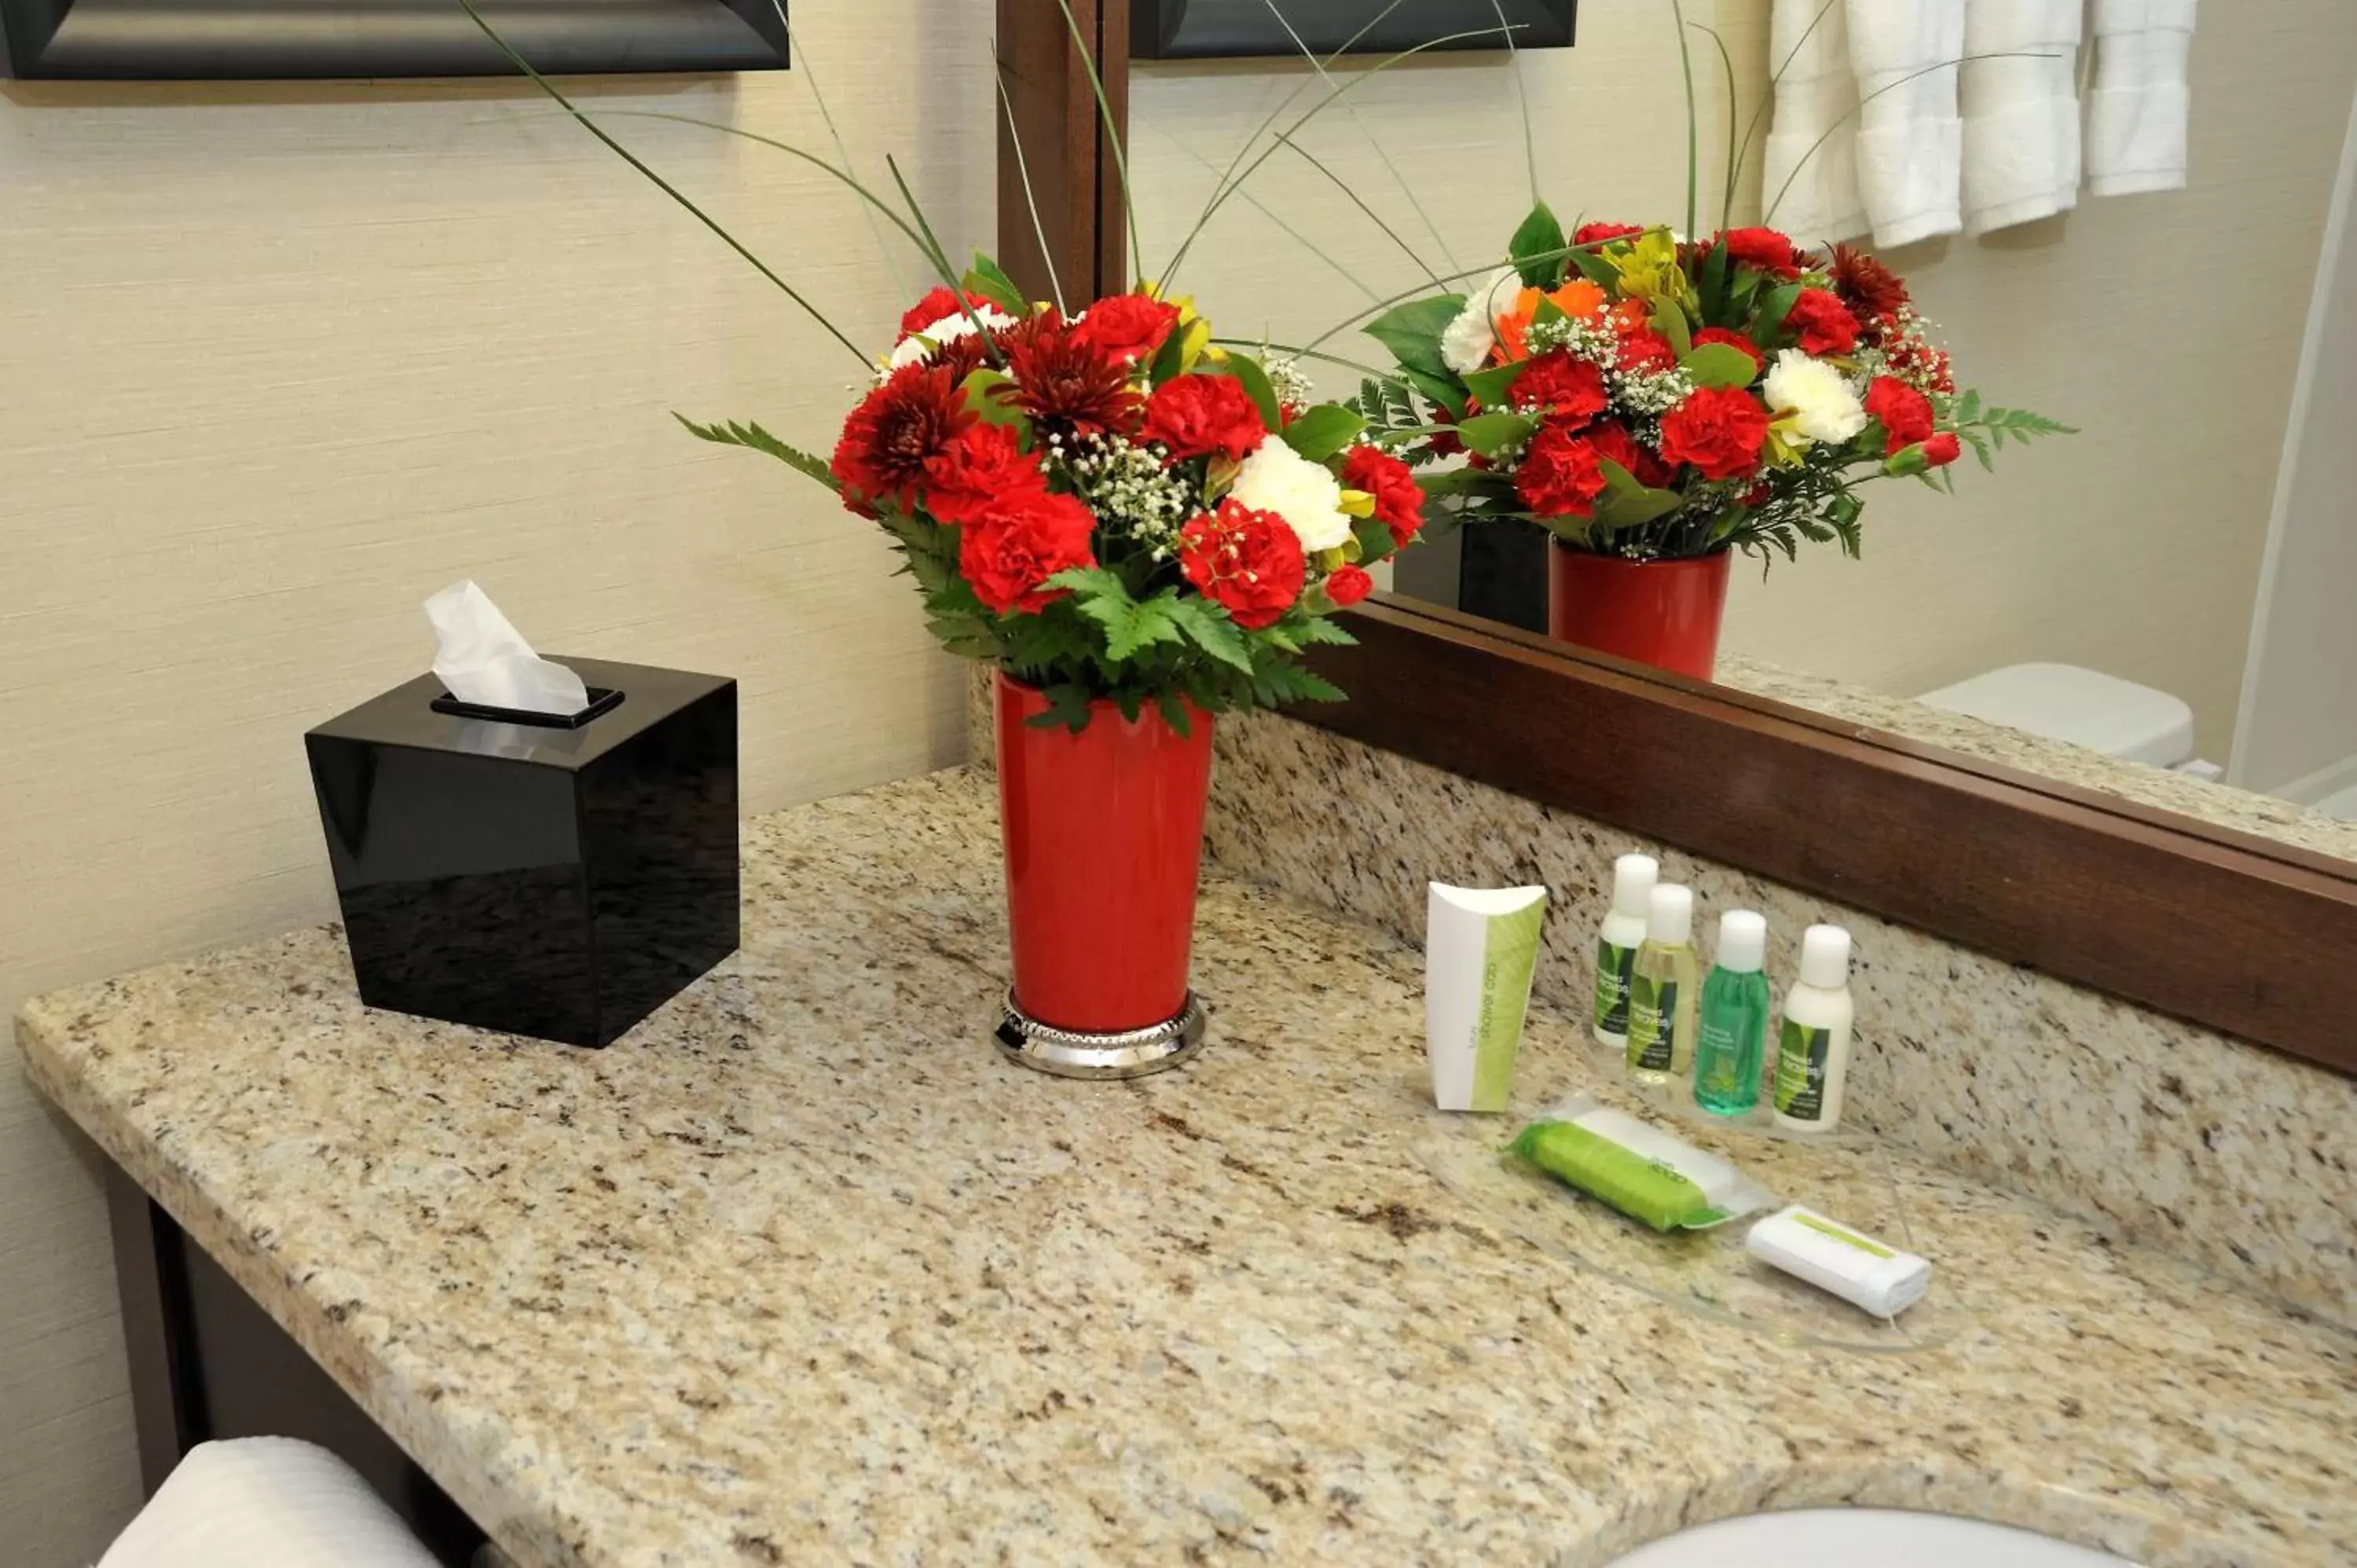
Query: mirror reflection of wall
[{"x": 2168, "y": 326}]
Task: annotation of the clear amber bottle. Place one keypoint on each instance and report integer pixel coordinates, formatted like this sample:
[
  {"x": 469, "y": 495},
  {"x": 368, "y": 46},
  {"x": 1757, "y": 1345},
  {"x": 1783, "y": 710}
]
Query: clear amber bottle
[{"x": 1661, "y": 990}]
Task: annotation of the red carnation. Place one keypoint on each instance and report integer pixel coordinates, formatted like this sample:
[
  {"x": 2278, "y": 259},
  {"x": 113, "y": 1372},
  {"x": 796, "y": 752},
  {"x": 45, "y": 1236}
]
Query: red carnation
[
  {"x": 1399, "y": 499},
  {"x": 1572, "y": 388},
  {"x": 1195, "y": 414},
  {"x": 1560, "y": 476},
  {"x": 1646, "y": 349},
  {"x": 1943, "y": 449},
  {"x": 1247, "y": 562},
  {"x": 1128, "y": 326},
  {"x": 1906, "y": 413},
  {"x": 1823, "y": 321},
  {"x": 1605, "y": 233},
  {"x": 1018, "y": 543},
  {"x": 931, "y": 310},
  {"x": 1613, "y": 443},
  {"x": 1346, "y": 585},
  {"x": 1768, "y": 249},
  {"x": 1733, "y": 339},
  {"x": 1719, "y": 430},
  {"x": 984, "y": 466},
  {"x": 1066, "y": 381},
  {"x": 1870, "y": 289},
  {"x": 896, "y": 430}
]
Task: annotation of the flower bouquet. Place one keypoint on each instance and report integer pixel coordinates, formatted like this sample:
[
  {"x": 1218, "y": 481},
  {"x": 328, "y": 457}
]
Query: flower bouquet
[
  {"x": 1658, "y": 404},
  {"x": 1139, "y": 531}
]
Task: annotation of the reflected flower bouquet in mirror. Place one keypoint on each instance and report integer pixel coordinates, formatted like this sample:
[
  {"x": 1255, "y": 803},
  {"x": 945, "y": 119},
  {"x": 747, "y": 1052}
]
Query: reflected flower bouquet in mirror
[{"x": 1656, "y": 399}]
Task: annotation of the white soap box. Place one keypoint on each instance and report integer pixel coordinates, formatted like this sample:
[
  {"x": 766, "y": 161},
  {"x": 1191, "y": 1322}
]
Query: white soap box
[{"x": 1865, "y": 1272}]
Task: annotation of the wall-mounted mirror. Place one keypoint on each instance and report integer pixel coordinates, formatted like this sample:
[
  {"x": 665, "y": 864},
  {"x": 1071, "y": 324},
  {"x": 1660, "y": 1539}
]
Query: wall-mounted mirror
[{"x": 2153, "y": 608}]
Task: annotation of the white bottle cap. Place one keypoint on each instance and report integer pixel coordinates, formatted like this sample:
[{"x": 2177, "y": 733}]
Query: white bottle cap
[
  {"x": 1633, "y": 876},
  {"x": 1669, "y": 915},
  {"x": 1824, "y": 958},
  {"x": 1742, "y": 941}
]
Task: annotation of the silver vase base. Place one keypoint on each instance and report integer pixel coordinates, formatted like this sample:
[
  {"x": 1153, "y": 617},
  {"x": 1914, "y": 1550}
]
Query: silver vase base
[{"x": 1074, "y": 1053}]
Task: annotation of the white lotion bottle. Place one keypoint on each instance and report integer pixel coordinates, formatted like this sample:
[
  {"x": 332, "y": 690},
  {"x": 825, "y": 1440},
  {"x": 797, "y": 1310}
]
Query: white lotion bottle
[
  {"x": 1616, "y": 942},
  {"x": 1813, "y": 1042}
]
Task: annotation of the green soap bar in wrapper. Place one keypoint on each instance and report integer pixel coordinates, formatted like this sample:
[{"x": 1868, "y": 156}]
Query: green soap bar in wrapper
[{"x": 1647, "y": 1175}]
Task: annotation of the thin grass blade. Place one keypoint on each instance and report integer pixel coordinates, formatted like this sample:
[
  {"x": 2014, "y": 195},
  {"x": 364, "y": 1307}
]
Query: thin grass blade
[{"x": 659, "y": 183}]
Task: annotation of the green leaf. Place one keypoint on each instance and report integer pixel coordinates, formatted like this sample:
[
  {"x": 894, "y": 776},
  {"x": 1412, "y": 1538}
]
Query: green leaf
[
  {"x": 1714, "y": 284},
  {"x": 1412, "y": 331},
  {"x": 1247, "y": 369},
  {"x": 1773, "y": 311},
  {"x": 1463, "y": 482},
  {"x": 1626, "y": 503},
  {"x": 1174, "y": 713},
  {"x": 1669, "y": 319},
  {"x": 1208, "y": 626},
  {"x": 1067, "y": 707},
  {"x": 1536, "y": 248},
  {"x": 1131, "y": 630},
  {"x": 1718, "y": 365},
  {"x": 1439, "y": 389},
  {"x": 1491, "y": 434},
  {"x": 1595, "y": 268},
  {"x": 1491, "y": 385},
  {"x": 981, "y": 391},
  {"x": 1323, "y": 431},
  {"x": 755, "y": 438},
  {"x": 986, "y": 279},
  {"x": 1168, "y": 360}
]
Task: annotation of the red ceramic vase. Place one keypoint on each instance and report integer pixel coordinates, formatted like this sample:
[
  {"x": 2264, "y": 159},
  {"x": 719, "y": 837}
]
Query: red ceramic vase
[
  {"x": 1103, "y": 835},
  {"x": 1663, "y": 613}
]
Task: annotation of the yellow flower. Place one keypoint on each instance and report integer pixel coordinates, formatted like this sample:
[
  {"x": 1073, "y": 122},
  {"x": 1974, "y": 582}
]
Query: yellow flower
[{"x": 1648, "y": 268}]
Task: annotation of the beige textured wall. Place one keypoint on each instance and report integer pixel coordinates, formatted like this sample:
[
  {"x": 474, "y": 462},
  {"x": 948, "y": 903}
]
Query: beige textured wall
[
  {"x": 2168, "y": 326},
  {"x": 277, "y": 363}
]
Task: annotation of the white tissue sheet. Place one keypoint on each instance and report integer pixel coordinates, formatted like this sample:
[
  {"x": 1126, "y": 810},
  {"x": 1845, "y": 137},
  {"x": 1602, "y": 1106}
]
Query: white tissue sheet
[
  {"x": 485, "y": 660},
  {"x": 266, "y": 1503}
]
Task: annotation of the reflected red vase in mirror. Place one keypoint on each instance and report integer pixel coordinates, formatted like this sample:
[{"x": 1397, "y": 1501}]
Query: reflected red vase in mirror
[
  {"x": 1663, "y": 613},
  {"x": 1103, "y": 832}
]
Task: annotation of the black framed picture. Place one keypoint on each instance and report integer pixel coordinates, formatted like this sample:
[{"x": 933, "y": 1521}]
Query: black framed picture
[
  {"x": 262, "y": 40},
  {"x": 1179, "y": 29}
]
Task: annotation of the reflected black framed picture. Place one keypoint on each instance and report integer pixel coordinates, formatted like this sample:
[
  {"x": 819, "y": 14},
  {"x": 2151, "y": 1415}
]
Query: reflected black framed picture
[
  {"x": 265, "y": 40},
  {"x": 1180, "y": 29}
]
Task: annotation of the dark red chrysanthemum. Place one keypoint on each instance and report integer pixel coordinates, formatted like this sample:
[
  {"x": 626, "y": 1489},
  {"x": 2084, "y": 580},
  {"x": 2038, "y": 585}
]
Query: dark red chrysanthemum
[
  {"x": 1870, "y": 289},
  {"x": 895, "y": 429},
  {"x": 1066, "y": 381}
]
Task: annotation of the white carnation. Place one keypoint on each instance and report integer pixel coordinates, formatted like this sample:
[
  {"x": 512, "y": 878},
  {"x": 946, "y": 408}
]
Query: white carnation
[
  {"x": 1817, "y": 396},
  {"x": 1465, "y": 347},
  {"x": 1277, "y": 479},
  {"x": 945, "y": 331}
]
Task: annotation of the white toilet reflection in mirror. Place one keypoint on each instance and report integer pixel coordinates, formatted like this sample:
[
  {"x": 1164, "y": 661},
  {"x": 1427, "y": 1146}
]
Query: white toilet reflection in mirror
[{"x": 2085, "y": 707}]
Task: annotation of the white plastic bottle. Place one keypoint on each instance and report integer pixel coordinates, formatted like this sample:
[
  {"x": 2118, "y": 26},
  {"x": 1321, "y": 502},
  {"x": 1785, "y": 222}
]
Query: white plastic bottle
[
  {"x": 1616, "y": 942},
  {"x": 1812, "y": 1046}
]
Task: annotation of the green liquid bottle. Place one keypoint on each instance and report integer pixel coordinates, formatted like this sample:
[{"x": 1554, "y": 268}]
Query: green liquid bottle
[
  {"x": 1731, "y": 1030},
  {"x": 1662, "y": 986}
]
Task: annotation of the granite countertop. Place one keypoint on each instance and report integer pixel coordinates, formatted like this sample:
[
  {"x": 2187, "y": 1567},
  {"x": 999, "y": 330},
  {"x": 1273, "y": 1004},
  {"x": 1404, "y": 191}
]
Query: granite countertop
[{"x": 799, "y": 1271}]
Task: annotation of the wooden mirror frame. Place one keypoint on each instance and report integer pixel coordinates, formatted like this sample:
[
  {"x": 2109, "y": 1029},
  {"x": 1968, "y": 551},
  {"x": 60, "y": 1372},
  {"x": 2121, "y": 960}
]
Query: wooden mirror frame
[{"x": 2248, "y": 936}]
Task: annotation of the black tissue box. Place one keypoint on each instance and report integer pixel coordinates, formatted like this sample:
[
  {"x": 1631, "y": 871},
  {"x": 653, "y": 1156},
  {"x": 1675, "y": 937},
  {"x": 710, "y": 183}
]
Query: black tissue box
[{"x": 559, "y": 878}]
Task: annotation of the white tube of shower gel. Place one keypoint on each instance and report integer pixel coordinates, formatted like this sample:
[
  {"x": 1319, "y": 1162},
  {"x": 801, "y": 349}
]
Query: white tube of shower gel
[{"x": 1480, "y": 946}]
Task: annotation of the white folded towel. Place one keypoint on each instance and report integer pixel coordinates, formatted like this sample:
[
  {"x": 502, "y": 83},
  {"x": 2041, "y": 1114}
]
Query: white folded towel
[
  {"x": 2138, "y": 104},
  {"x": 2021, "y": 114},
  {"x": 266, "y": 1503},
  {"x": 1811, "y": 151},
  {"x": 1909, "y": 138}
]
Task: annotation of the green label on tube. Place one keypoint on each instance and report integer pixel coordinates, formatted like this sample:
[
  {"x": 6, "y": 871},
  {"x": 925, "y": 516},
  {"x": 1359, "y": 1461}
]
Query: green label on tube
[
  {"x": 1652, "y": 1012},
  {"x": 1614, "y": 965},
  {"x": 1508, "y": 959},
  {"x": 1801, "y": 1071}
]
